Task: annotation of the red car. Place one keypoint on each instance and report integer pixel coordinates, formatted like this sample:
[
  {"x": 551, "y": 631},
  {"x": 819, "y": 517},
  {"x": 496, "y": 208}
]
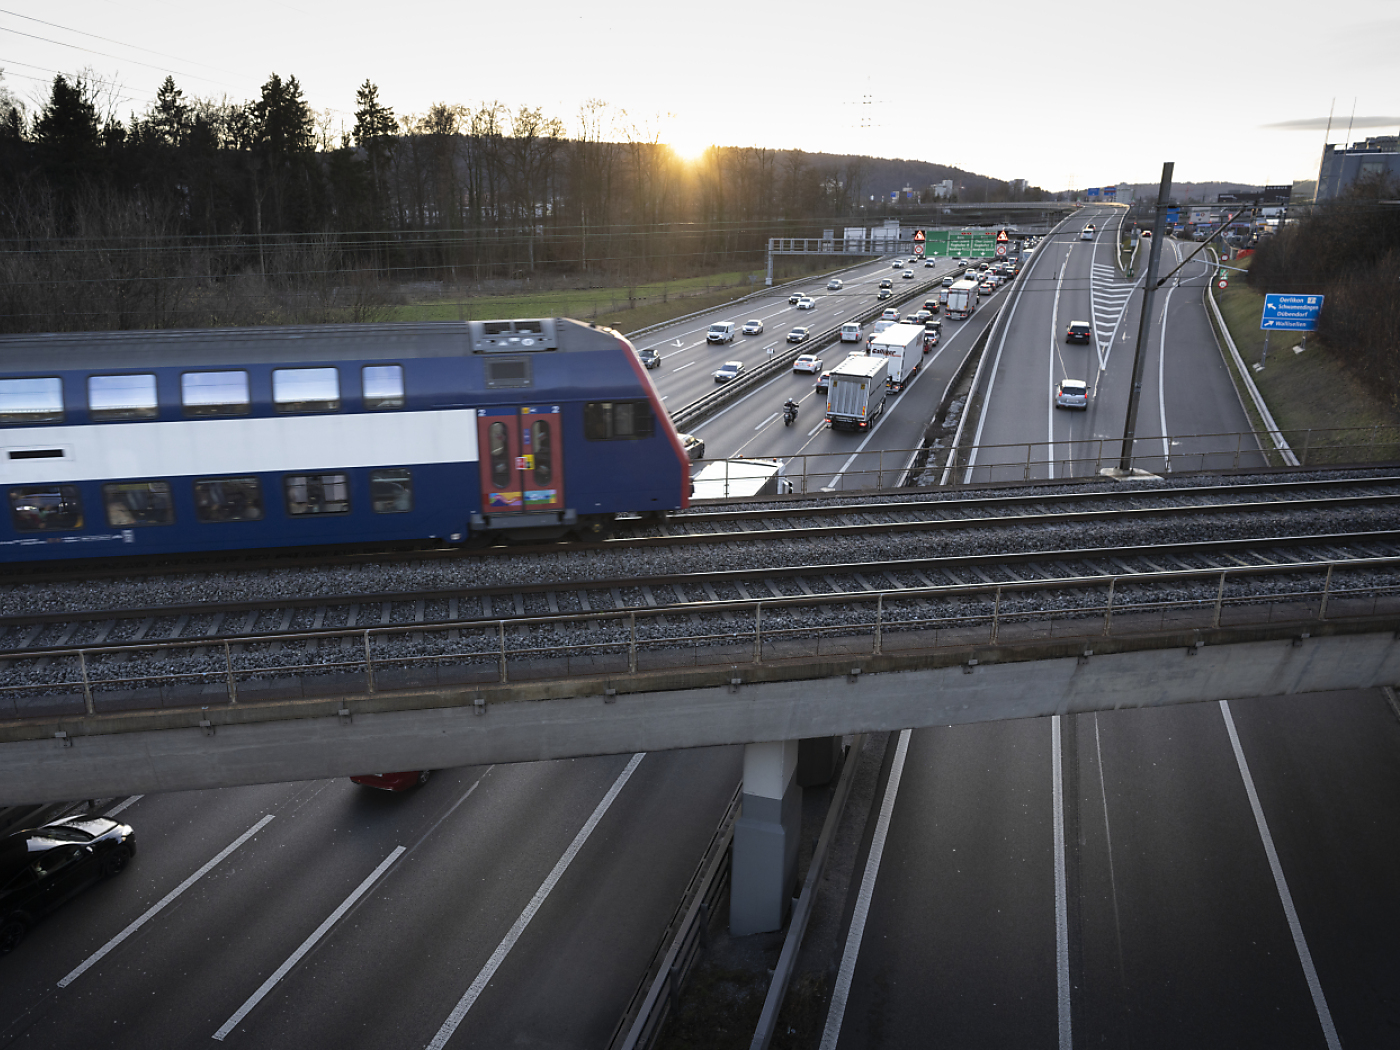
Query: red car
[{"x": 394, "y": 781}]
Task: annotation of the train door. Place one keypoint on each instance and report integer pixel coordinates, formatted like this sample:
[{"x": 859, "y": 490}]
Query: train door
[{"x": 522, "y": 462}]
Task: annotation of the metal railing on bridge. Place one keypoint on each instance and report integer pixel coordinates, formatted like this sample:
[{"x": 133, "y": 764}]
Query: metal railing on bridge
[
  {"x": 934, "y": 464},
  {"x": 700, "y": 635}
]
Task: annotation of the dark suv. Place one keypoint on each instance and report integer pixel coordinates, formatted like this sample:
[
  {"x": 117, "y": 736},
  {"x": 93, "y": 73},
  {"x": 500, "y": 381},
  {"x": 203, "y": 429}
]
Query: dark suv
[
  {"x": 1079, "y": 332},
  {"x": 650, "y": 357},
  {"x": 42, "y": 868}
]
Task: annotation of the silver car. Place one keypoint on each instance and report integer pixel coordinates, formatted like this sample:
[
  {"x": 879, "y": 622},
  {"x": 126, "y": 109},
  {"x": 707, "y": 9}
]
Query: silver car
[{"x": 1072, "y": 393}]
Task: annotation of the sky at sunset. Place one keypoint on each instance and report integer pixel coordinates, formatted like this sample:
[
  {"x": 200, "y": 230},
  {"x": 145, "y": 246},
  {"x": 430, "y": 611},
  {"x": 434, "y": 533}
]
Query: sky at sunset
[{"x": 1010, "y": 89}]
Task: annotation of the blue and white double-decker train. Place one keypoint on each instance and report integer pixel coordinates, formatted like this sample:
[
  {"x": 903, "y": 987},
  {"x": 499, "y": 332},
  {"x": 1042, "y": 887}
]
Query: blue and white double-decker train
[{"x": 154, "y": 442}]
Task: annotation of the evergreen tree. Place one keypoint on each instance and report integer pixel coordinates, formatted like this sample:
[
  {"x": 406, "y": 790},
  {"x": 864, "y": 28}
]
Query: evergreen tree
[
  {"x": 374, "y": 131},
  {"x": 169, "y": 120},
  {"x": 68, "y": 134},
  {"x": 282, "y": 121}
]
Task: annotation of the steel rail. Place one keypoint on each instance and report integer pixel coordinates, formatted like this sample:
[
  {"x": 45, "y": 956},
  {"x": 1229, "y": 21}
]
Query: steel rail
[{"x": 721, "y": 577}]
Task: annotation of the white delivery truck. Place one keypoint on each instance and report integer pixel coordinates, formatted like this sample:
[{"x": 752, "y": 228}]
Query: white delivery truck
[
  {"x": 740, "y": 479},
  {"x": 856, "y": 392},
  {"x": 902, "y": 346},
  {"x": 962, "y": 299}
]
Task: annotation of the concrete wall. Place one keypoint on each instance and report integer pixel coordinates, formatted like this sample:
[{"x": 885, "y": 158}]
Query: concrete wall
[{"x": 169, "y": 751}]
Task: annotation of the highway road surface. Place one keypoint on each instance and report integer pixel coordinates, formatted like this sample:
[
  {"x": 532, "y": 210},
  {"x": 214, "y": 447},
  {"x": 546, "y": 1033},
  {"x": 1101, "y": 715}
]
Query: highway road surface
[{"x": 1211, "y": 875}]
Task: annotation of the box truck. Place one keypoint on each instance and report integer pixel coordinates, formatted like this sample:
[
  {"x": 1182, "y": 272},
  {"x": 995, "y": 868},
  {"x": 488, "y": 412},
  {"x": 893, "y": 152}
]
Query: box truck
[
  {"x": 856, "y": 392},
  {"x": 962, "y": 299},
  {"x": 902, "y": 347},
  {"x": 740, "y": 479}
]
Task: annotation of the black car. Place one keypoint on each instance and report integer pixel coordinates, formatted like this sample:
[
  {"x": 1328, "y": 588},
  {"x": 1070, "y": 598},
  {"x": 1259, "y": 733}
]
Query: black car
[
  {"x": 43, "y": 867},
  {"x": 885, "y": 293},
  {"x": 651, "y": 357},
  {"x": 1079, "y": 332}
]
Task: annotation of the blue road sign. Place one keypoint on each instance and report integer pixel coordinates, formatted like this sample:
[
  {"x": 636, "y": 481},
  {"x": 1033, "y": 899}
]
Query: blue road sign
[
  {"x": 1092, "y": 192},
  {"x": 1291, "y": 313},
  {"x": 1173, "y": 216}
]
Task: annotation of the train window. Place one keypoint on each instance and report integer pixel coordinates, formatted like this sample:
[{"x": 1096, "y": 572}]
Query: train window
[
  {"x": 121, "y": 397},
  {"x": 498, "y": 449},
  {"x": 31, "y": 400},
  {"x": 391, "y": 491},
  {"x": 215, "y": 393},
  {"x": 617, "y": 420},
  {"x": 383, "y": 386},
  {"x": 306, "y": 389},
  {"x": 138, "y": 503},
  {"x": 317, "y": 493},
  {"x": 540, "y": 441},
  {"x": 228, "y": 499},
  {"x": 508, "y": 374},
  {"x": 46, "y": 508}
]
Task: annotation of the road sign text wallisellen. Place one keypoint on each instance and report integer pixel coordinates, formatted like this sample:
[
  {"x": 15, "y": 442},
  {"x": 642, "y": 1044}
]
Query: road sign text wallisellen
[{"x": 1291, "y": 313}]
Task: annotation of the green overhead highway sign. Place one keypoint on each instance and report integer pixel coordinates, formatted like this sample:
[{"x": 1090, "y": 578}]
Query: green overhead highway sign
[{"x": 965, "y": 245}]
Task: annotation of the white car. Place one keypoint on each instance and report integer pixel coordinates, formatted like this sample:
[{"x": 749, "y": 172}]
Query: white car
[
  {"x": 809, "y": 363},
  {"x": 907, "y": 274},
  {"x": 1072, "y": 393},
  {"x": 890, "y": 314},
  {"x": 896, "y": 264},
  {"x": 806, "y": 303},
  {"x": 930, "y": 262},
  {"x": 754, "y": 327},
  {"x": 948, "y": 281},
  {"x": 850, "y": 332},
  {"x": 833, "y": 285}
]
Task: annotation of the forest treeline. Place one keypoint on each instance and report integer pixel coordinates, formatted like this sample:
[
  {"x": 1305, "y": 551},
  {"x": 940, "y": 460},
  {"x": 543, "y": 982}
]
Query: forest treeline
[
  {"x": 1349, "y": 251},
  {"x": 213, "y": 212}
]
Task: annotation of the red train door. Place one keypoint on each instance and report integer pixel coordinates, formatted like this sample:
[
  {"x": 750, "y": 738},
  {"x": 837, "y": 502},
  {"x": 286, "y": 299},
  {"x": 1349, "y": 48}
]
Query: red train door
[{"x": 522, "y": 460}]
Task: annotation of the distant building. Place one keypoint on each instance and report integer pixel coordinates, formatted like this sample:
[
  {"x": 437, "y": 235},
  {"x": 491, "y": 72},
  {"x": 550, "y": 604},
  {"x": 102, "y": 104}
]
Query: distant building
[
  {"x": 1342, "y": 165},
  {"x": 1018, "y": 185},
  {"x": 942, "y": 191}
]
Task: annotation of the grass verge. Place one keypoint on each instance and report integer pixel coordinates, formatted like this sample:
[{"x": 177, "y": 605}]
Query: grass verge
[
  {"x": 625, "y": 307},
  {"x": 1324, "y": 411}
]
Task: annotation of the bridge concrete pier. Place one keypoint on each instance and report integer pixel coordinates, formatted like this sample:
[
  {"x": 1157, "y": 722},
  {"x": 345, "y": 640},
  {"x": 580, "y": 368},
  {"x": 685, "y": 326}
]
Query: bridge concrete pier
[{"x": 764, "y": 863}]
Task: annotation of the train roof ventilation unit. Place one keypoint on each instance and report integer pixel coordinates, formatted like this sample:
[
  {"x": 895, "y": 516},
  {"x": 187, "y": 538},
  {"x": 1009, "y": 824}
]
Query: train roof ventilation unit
[{"x": 528, "y": 335}]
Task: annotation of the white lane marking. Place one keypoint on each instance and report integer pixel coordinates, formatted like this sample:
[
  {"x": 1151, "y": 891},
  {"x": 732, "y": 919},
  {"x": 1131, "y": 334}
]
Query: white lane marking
[
  {"x": 1161, "y": 381},
  {"x": 97, "y": 956},
  {"x": 459, "y": 1012},
  {"x": 819, "y": 426},
  {"x": 123, "y": 805},
  {"x": 307, "y": 944},
  {"x": 1324, "y": 1015},
  {"x": 1054, "y": 352},
  {"x": 684, "y": 366},
  {"x": 767, "y": 421},
  {"x": 1108, "y": 843},
  {"x": 1057, "y": 782},
  {"x": 841, "y": 993}
]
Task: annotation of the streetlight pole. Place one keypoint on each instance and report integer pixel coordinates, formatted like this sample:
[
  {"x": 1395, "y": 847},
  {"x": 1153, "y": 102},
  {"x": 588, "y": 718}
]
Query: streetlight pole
[{"x": 1149, "y": 291}]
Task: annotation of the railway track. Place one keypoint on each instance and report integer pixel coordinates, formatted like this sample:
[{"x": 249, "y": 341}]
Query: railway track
[
  {"x": 800, "y": 518},
  {"x": 264, "y": 622}
]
